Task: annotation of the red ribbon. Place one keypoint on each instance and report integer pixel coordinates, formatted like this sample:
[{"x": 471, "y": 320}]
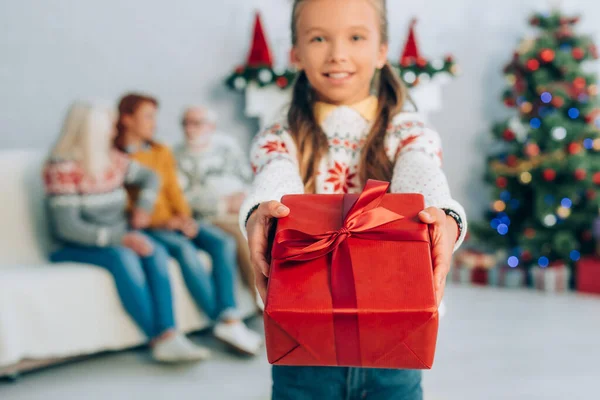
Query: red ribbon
[{"x": 365, "y": 220}]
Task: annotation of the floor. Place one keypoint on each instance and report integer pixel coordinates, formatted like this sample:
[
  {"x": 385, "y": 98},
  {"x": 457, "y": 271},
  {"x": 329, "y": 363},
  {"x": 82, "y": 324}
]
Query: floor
[{"x": 493, "y": 345}]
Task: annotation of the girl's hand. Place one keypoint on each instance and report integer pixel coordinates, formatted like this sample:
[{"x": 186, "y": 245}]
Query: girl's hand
[
  {"x": 258, "y": 230},
  {"x": 138, "y": 243},
  {"x": 140, "y": 218},
  {"x": 443, "y": 231}
]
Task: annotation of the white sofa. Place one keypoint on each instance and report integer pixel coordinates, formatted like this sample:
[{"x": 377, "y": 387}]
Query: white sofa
[{"x": 50, "y": 311}]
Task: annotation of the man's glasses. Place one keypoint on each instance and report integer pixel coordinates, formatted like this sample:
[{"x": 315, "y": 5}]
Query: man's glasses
[{"x": 194, "y": 122}]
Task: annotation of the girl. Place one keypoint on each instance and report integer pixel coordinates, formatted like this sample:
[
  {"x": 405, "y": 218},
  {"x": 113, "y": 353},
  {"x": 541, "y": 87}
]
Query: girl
[
  {"x": 346, "y": 124},
  {"x": 84, "y": 180},
  {"x": 172, "y": 225}
]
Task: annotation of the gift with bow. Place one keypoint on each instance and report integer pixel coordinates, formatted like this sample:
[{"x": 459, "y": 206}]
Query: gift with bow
[{"x": 351, "y": 282}]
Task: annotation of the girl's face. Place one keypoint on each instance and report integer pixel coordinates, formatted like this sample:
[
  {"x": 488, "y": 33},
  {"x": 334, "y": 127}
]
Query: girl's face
[
  {"x": 142, "y": 122},
  {"x": 339, "y": 47}
]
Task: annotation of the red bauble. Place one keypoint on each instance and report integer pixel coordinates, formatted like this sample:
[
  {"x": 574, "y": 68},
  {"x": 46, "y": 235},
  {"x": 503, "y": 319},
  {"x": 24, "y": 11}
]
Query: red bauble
[
  {"x": 535, "y": 21},
  {"x": 509, "y": 102},
  {"x": 502, "y": 182},
  {"x": 508, "y": 135},
  {"x": 533, "y": 65},
  {"x": 449, "y": 59},
  {"x": 558, "y": 101},
  {"x": 587, "y": 235},
  {"x": 596, "y": 179},
  {"x": 421, "y": 62},
  {"x": 511, "y": 161},
  {"x": 580, "y": 174},
  {"x": 591, "y": 194},
  {"x": 547, "y": 55},
  {"x": 532, "y": 150},
  {"x": 240, "y": 69},
  {"x": 549, "y": 174},
  {"x": 530, "y": 233},
  {"x": 282, "y": 82},
  {"x": 578, "y": 53},
  {"x": 574, "y": 148},
  {"x": 579, "y": 83},
  {"x": 526, "y": 255}
]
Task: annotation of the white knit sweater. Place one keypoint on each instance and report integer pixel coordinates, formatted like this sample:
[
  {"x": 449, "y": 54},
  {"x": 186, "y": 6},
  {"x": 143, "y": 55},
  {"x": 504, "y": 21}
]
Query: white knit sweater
[{"x": 415, "y": 147}]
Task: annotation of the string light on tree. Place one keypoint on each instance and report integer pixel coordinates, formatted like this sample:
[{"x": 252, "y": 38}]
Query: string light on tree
[
  {"x": 563, "y": 212},
  {"x": 550, "y": 220},
  {"x": 574, "y": 113},
  {"x": 546, "y": 97},
  {"x": 526, "y": 178},
  {"x": 559, "y": 133},
  {"x": 499, "y": 206}
]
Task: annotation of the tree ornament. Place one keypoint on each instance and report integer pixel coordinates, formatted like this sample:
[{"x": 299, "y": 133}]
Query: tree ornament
[
  {"x": 547, "y": 55},
  {"x": 502, "y": 182},
  {"x": 578, "y": 53},
  {"x": 549, "y": 175}
]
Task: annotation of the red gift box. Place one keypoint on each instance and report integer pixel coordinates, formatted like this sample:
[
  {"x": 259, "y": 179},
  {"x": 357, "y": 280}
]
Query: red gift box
[
  {"x": 351, "y": 283},
  {"x": 473, "y": 266},
  {"x": 588, "y": 275}
]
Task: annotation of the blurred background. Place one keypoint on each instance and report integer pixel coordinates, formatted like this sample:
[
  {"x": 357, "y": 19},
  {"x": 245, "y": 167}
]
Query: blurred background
[{"x": 522, "y": 317}]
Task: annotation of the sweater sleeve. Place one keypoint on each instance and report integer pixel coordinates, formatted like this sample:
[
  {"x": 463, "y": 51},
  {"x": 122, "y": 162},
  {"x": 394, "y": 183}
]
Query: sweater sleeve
[
  {"x": 172, "y": 187},
  {"x": 275, "y": 165},
  {"x": 146, "y": 180},
  {"x": 418, "y": 166},
  {"x": 64, "y": 210}
]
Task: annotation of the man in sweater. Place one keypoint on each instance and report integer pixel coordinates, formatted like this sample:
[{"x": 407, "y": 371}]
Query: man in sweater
[{"x": 215, "y": 176}]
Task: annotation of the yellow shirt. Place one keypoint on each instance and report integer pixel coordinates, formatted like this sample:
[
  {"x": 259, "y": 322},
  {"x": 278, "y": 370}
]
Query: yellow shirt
[
  {"x": 367, "y": 108},
  {"x": 170, "y": 201}
]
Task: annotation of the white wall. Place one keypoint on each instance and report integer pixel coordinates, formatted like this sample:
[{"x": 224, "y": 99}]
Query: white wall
[{"x": 54, "y": 51}]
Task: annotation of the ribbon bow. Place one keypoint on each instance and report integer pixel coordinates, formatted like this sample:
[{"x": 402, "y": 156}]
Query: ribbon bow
[{"x": 361, "y": 222}]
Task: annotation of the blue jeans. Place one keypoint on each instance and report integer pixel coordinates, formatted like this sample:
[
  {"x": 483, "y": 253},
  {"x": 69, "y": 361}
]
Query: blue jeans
[
  {"x": 213, "y": 292},
  {"x": 142, "y": 282},
  {"x": 309, "y": 383}
]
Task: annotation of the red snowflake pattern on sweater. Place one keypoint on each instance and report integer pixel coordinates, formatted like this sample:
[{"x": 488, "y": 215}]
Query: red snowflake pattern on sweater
[
  {"x": 275, "y": 146},
  {"x": 341, "y": 178}
]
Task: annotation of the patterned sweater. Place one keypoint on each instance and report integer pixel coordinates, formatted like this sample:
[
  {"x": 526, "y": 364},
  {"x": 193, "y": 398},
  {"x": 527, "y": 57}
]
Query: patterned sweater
[
  {"x": 170, "y": 200},
  {"x": 210, "y": 174},
  {"x": 414, "y": 148},
  {"x": 92, "y": 212}
]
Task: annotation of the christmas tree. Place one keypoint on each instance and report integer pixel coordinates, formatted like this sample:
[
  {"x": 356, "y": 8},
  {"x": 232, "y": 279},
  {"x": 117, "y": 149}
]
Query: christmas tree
[{"x": 545, "y": 170}]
